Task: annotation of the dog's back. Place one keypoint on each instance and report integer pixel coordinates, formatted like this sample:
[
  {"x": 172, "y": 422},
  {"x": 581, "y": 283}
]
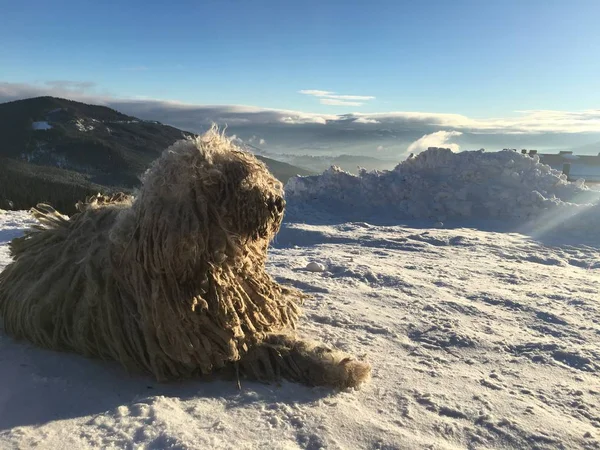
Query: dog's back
[{"x": 55, "y": 265}]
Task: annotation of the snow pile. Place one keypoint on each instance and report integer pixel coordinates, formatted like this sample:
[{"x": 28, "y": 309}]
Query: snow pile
[
  {"x": 315, "y": 267},
  {"x": 41, "y": 126},
  {"x": 439, "y": 185},
  {"x": 81, "y": 126}
]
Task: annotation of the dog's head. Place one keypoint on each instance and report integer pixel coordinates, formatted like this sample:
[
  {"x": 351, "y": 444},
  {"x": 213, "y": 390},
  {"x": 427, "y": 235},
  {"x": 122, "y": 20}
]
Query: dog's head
[
  {"x": 204, "y": 197},
  {"x": 248, "y": 198}
]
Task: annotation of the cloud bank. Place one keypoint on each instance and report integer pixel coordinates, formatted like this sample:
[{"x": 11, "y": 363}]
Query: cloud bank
[{"x": 524, "y": 122}]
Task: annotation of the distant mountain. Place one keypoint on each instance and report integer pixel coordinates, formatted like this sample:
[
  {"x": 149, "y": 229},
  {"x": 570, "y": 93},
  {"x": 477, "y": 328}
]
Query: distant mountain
[
  {"x": 349, "y": 163},
  {"x": 57, "y": 150},
  {"x": 589, "y": 149}
]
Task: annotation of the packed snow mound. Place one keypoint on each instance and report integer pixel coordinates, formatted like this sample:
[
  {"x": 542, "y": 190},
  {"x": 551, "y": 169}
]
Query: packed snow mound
[{"x": 439, "y": 185}]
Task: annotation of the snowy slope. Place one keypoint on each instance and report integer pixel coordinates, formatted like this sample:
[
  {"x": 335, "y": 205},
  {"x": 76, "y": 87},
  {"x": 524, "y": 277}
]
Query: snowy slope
[{"x": 478, "y": 339}]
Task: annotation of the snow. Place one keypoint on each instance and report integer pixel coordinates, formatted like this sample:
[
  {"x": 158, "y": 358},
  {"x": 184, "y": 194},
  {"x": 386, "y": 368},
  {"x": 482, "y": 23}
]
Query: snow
[
  {"x": 128, "y": 121},
  {"x": 480, "y": 336},
  {"x": 585, "y": 171},
  {"x": 439, "y": 185},
  {"x": 41, "y": 126},
  {"x": 315, "y": 267},
  {"x": 81, "y": 126}
]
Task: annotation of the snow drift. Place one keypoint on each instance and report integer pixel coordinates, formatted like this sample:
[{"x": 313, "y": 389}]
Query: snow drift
[{"x": 439, "y": 185}]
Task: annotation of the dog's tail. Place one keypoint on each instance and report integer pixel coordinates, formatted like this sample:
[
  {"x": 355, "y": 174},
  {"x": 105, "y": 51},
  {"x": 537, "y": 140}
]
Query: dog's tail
[
  {"x": 48, "y": 217},
  {"x": 50, "y": 225},
  {"x": 304, "y": 361}
]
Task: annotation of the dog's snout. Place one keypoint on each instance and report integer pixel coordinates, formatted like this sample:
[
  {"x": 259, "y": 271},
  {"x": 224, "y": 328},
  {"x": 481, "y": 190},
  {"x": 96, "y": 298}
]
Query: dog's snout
[
  {"x": 280, "y": 204},
  {"x": 276, "y": 204}
]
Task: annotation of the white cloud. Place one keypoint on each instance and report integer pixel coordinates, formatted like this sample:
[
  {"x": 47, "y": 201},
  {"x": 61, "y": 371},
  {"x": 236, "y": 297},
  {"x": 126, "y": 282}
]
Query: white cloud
[
  {"x": 352, "y": 97},
  {"x": 366, "y": 120},
  {"x": 333, "y": 99},
  {"x": 255, "y": 139},
  {"x": 524, "y": 122},
  {"x": 335, "y": 102},
  {"x": 303, "y": 119},
  {"x": 437, "y": 139},
  {"x": 315, "y": 92}
]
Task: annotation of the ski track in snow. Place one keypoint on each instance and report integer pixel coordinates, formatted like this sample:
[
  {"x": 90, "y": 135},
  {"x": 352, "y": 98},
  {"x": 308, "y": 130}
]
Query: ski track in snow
[{"x": 478, "y": 339}]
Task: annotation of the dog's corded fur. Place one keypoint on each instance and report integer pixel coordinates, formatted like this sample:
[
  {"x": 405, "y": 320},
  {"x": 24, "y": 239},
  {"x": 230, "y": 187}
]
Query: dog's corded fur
[{"x": 172, "y": 281}]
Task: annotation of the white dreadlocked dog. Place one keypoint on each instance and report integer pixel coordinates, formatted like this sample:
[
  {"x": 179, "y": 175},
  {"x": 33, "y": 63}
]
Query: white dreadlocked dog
[{"x": 173, "y": 280}]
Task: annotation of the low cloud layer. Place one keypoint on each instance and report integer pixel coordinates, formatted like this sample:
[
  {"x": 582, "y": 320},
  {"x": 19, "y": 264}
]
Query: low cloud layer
[
  {"x": 524, "y": 122},
  {"x": 437, "y": 139}
]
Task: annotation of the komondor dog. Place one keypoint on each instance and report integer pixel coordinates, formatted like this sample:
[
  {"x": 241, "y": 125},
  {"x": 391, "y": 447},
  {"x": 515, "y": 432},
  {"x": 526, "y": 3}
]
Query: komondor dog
[{"x": 173, "y": 280}]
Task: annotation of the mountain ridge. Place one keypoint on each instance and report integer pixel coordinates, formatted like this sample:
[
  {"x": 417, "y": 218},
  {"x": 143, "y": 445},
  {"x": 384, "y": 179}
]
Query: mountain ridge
[{"x": 82, "y": 147}]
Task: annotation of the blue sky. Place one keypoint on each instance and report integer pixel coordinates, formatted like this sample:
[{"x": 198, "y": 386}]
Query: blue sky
[{"x": 478, "y": 58}]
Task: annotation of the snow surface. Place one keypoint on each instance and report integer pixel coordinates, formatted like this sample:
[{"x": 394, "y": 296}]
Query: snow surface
[
  {"x": 479, "y": 336},
  {"x": 41, "y": 126}
]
